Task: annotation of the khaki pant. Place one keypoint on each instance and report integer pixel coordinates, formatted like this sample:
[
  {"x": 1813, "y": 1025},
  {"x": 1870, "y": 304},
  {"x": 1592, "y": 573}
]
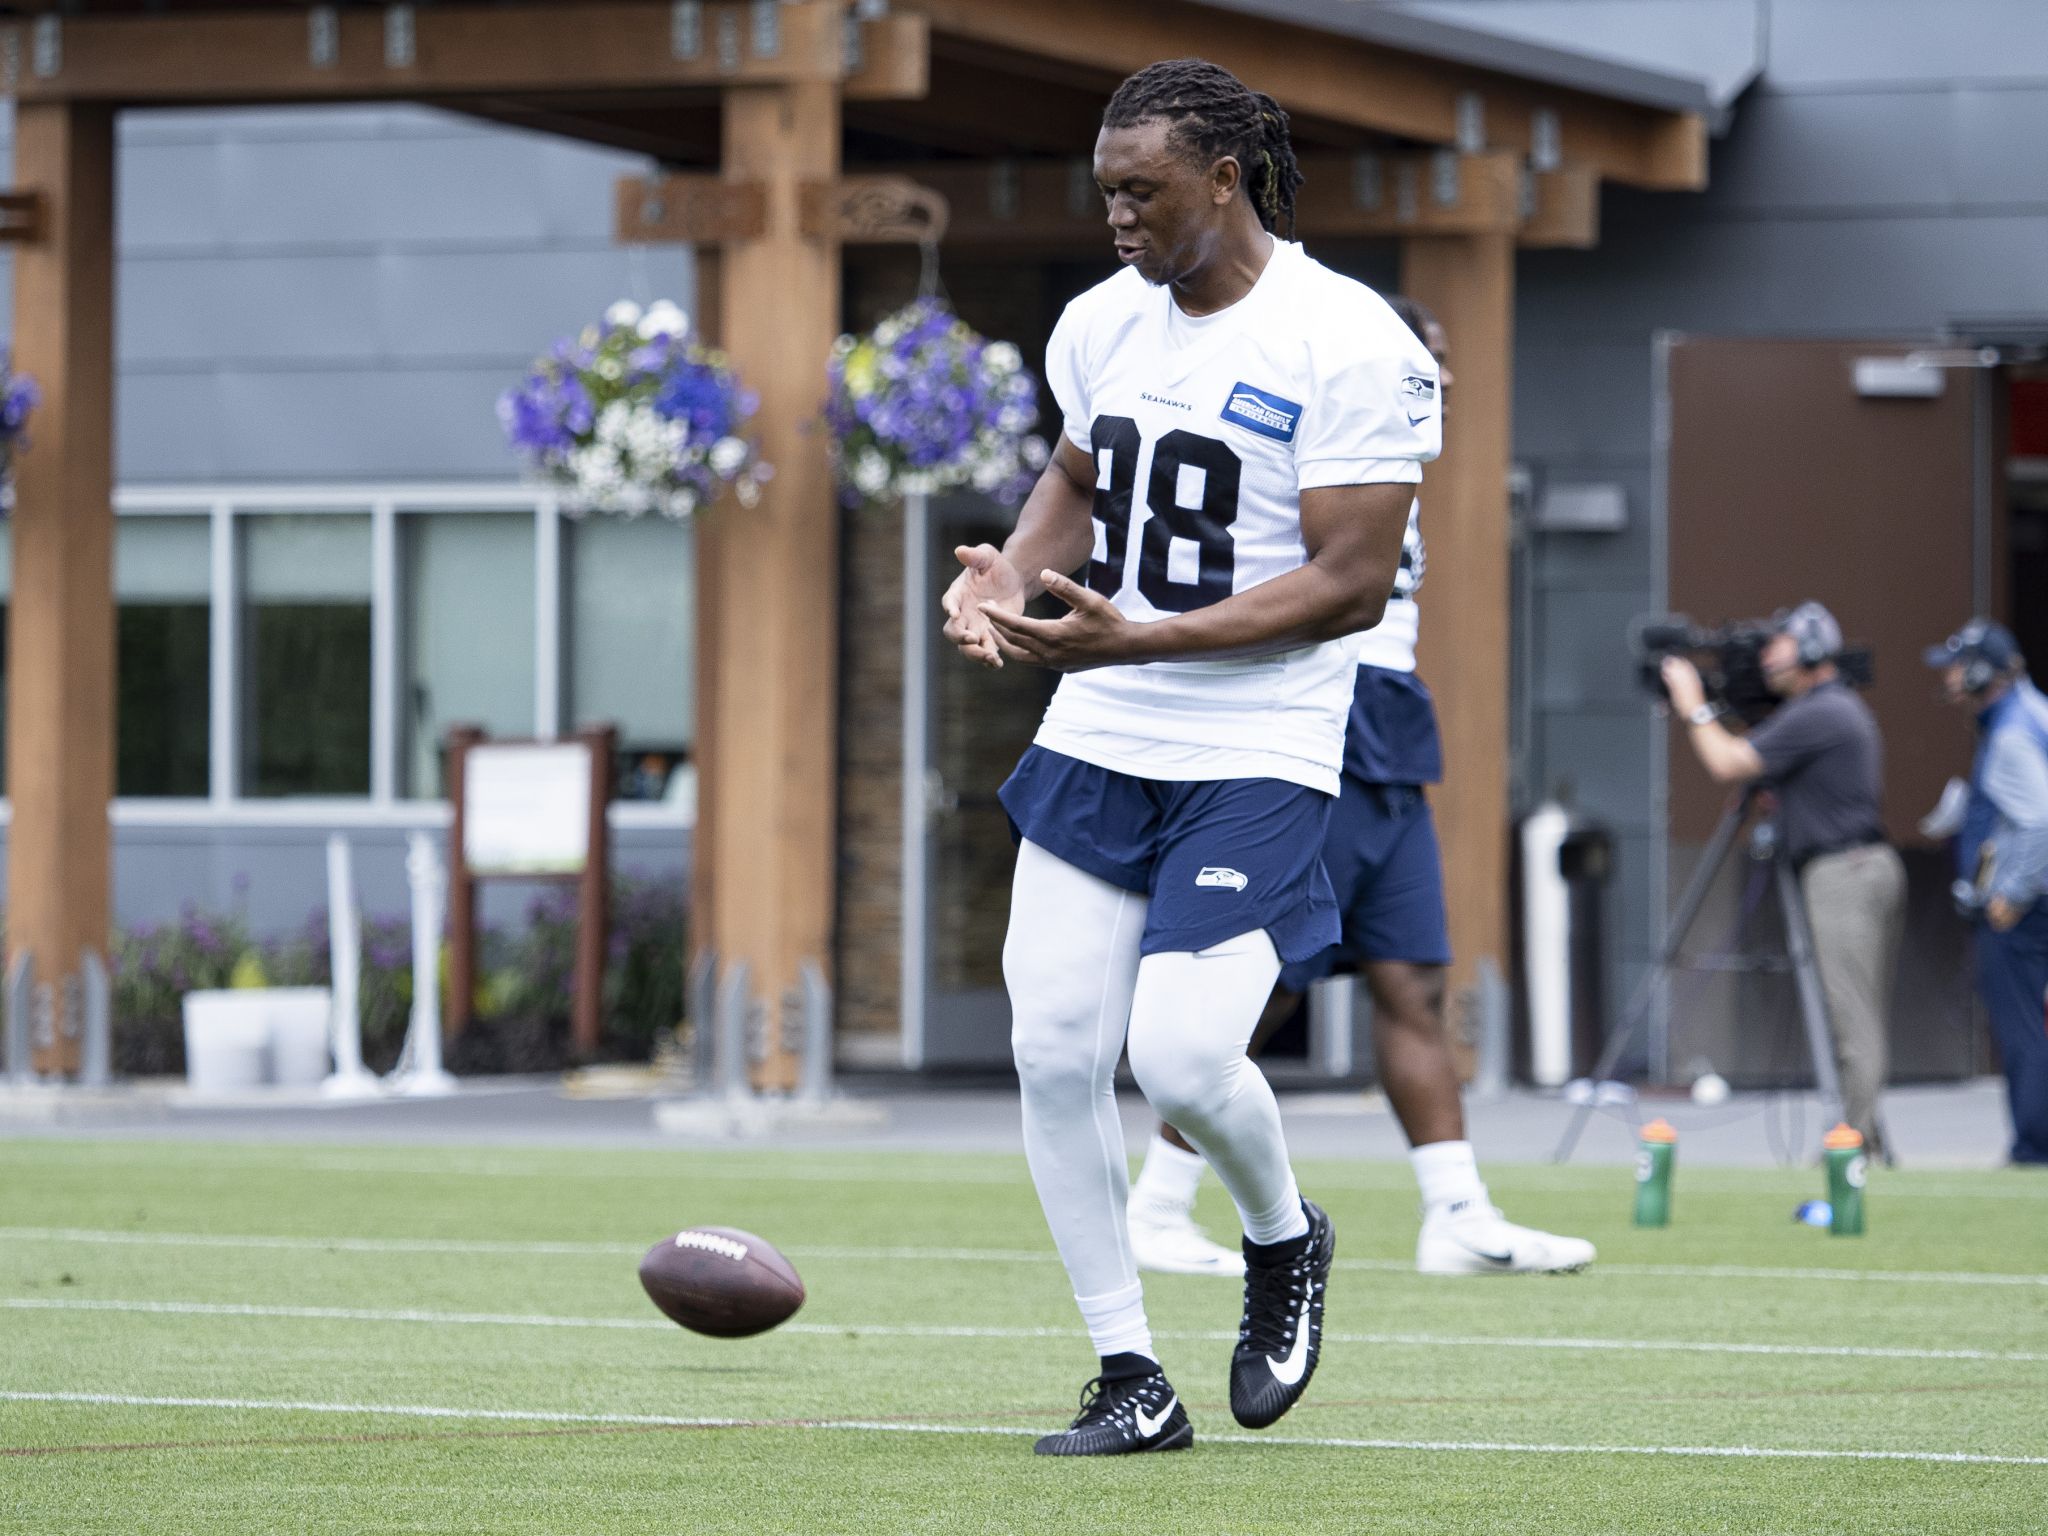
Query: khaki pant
[{"x": 1856, "y": 904}]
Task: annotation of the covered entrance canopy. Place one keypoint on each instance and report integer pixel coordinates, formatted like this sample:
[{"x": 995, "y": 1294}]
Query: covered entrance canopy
[{"x": 764, "y": 115}]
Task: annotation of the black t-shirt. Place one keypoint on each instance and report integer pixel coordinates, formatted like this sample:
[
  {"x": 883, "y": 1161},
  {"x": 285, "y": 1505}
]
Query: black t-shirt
[{"x": 1824, "y": 760}]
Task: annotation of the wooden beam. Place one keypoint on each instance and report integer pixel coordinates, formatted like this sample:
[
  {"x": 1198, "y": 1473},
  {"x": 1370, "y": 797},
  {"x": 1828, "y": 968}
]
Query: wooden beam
[
  {"x": 1469, "y": 281},
  {"x": 689, "y": 209},
  {"x": 21, "y": 217},
  {"x": 874, "y": 210},
  {"x": 1339, "y": 79},
  {"x": 428, "y": 54},
  {"x": 60, "y": 621},
  {"x": 1443, "y": 193},
  {"x": 1044, "y": 206},
  {"x": 771, "y": 748},
  {"x": 1567, "y": 211},
  {"x": 893, "y": 62}
]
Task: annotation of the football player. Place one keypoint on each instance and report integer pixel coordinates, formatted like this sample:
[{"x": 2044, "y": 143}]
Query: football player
[
  {"x": 1383, "y": 858},
  {"x": 1243, "y": 430}
]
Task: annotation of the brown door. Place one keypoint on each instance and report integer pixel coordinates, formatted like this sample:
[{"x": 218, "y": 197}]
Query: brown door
[{"x": 1784, "y": 484}]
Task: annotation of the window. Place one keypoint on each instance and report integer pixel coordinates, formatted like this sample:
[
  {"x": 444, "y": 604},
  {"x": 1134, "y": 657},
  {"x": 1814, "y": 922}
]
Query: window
[
  {"x": 632, "y": 627},
  {"x": 163, "y": 584},
  {"x": 321, "y": 641},
  {"x": 305, "y": 654},
  {"x": 468, "y": 586}
]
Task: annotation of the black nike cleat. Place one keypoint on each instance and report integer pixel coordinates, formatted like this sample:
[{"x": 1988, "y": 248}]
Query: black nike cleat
[
  {"x": 1282, "y": 1332},
  {"x": 1123, "y": 1417}
]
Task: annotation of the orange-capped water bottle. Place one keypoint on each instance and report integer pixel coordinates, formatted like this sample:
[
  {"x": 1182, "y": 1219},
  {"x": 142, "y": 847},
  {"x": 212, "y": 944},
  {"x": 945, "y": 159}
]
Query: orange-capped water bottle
[
  {"x": 1846, "y": 1169},
  {"x": 1655, "y": 1153}
]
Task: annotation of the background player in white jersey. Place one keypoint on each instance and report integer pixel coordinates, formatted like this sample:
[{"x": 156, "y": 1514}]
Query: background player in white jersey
[
  {"x": 1382, "y": 856},
  {"x": 1243, "y": 430}
]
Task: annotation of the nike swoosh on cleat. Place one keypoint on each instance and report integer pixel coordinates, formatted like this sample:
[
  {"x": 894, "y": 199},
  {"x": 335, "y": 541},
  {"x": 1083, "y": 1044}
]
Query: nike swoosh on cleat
[
  {"x": 1148, "y": 1427},
  {"x": 1290, "y": 1371}
]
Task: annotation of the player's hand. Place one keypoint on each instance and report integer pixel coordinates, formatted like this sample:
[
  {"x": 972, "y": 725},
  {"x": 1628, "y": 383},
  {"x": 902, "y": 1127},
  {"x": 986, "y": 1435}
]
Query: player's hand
[
  {"x": 989, "y": 582},
  {"x": 2001, "y": 914},
  {"x": 1094, "y": 634},
  {"x": 1682, "y": 682}
]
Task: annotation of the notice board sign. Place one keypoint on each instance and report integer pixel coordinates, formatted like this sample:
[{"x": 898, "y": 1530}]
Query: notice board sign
[
  {"x": 531, "y": 810},
  {"x": 526, "y": 807}
]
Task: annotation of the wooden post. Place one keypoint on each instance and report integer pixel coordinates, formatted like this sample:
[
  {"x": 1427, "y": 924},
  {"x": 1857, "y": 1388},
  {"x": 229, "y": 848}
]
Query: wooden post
[
  {"x": 1469, "y": 281},
  {"x": 461, "y": 883},
  {"x": 593, "y": 928},
  {"x": 770, "y": 748},
  {"x": 60, "y": 622}
]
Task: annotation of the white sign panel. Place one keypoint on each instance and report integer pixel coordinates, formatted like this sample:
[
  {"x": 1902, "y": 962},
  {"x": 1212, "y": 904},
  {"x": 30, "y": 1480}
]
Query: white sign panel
[{"x": 526, "y": 808}]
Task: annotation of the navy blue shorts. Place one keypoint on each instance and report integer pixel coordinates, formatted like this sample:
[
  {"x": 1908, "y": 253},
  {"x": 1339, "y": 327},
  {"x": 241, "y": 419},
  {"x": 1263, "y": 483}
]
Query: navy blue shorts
[
  {"x": 1383, "y": 860},
  {"x": 1216, "y": 857}
]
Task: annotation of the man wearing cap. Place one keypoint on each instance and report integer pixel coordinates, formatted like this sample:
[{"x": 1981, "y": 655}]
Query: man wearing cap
[
  {"x": 2002, "y": 856},
  {"x": 1821, "y": 755}
]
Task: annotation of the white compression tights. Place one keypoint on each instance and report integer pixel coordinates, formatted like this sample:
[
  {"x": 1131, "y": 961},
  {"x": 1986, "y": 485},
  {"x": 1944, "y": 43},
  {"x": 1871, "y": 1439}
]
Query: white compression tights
[{"x": 1076, "y": 986}]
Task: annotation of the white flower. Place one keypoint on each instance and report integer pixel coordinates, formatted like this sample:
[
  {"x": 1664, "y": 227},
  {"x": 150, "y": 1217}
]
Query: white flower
[
  {"x": 663, "y": 318},
  {"x": 1034, "y": 451},
  {"x": 726, "y": 457},
  {"x": 625, "y": 312},
  {"x": 871, "y": 473},
  {"x": 1001, "y": 357}
]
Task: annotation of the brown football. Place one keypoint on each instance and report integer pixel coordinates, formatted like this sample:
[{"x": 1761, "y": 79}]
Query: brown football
[{"x": 721, "y": 1281}]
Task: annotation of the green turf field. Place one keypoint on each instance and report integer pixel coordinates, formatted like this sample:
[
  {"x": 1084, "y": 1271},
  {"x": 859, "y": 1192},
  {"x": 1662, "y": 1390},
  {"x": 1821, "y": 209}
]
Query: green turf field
[{"x": 209, "y": 1338}]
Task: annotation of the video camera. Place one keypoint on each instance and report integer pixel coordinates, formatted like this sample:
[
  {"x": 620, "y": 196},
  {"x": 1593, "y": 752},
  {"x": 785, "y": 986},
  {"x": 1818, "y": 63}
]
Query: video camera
[{"x": 1729, "y": 658}]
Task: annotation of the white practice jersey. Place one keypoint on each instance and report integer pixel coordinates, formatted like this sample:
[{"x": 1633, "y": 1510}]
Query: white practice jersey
[
  {"x": 1391, "y": 642},
  {"x": 1204, "y": 436}
]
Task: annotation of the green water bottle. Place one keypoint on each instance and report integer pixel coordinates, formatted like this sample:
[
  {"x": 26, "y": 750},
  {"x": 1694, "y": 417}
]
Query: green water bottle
[
  {"x": 1846, "y": 1168},
  {"x": 1654, "y": 1156}
]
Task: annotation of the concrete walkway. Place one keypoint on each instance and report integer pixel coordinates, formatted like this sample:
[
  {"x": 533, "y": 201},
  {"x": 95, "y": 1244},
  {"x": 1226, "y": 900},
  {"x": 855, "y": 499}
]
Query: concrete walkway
[{"x": 1960, "y": 1125}]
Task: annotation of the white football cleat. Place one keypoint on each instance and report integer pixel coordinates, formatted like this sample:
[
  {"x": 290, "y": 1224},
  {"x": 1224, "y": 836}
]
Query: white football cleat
[
  {"x": 1472, "y": 1238},
  {"x": 1168, "y": 1241}
]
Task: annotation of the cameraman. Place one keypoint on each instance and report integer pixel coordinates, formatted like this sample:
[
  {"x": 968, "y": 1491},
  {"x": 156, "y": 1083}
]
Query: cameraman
[
  {"x": 2003, "y": 858},
  {"x": 1821, "y": 755}
]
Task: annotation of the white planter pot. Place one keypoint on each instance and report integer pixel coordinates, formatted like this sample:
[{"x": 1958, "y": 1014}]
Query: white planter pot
[{"x": 252, "y": 1036}]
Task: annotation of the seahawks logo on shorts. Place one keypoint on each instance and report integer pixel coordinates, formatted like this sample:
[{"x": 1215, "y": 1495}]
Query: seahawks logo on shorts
[{"x": 1217, "y": 876}]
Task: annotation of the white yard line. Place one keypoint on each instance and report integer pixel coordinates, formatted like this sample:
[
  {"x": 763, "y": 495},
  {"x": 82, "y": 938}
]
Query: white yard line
[
  {"x": 924, "y": 1255},
  {"x": 975, "y": 1331},
  {"x": 541, "y": 1416}
]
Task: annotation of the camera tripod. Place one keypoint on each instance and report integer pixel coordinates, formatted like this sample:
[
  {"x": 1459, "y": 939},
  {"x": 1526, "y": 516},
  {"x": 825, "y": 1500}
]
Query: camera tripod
[{"x": 1813, "y": 1002}]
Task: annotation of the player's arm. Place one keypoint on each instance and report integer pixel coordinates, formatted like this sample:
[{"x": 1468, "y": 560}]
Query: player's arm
[
  {"x": 1053, "y": 532},
  {"x": 1353, "y": 537}
]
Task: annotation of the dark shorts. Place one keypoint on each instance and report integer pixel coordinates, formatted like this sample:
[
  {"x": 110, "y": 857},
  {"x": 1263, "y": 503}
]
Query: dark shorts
[
  {"x": 1216, "y": 857},
  {"x": 1382, "y": 856}
]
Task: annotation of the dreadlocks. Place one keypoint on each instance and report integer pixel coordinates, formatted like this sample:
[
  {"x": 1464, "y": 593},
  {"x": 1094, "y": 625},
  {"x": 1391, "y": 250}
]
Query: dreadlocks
[{"x": 1212, "y": 111}]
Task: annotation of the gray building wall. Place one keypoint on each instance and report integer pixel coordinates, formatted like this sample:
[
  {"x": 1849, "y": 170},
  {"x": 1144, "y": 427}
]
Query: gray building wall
[
  {"x": 1885, "y": 176},
  {"x": 339, "y": 295}
]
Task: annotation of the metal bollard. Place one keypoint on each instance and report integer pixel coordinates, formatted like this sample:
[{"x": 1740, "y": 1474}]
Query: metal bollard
[
  {"x": 814, "y": 1082},
  {"x": 703, "y": 1009},
  {"x": 20, "y": 1008},
  {"x": 735, "y": 1003},
  {"x": 96, "y": 1059}
]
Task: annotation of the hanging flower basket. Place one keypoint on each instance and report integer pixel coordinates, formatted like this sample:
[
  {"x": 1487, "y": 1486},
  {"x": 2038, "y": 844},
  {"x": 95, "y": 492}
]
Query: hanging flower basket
[
  {"x": 922, "y": 404},
  {"x": 633, "y": 416},
  {"x": 18, "y": 396}
]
